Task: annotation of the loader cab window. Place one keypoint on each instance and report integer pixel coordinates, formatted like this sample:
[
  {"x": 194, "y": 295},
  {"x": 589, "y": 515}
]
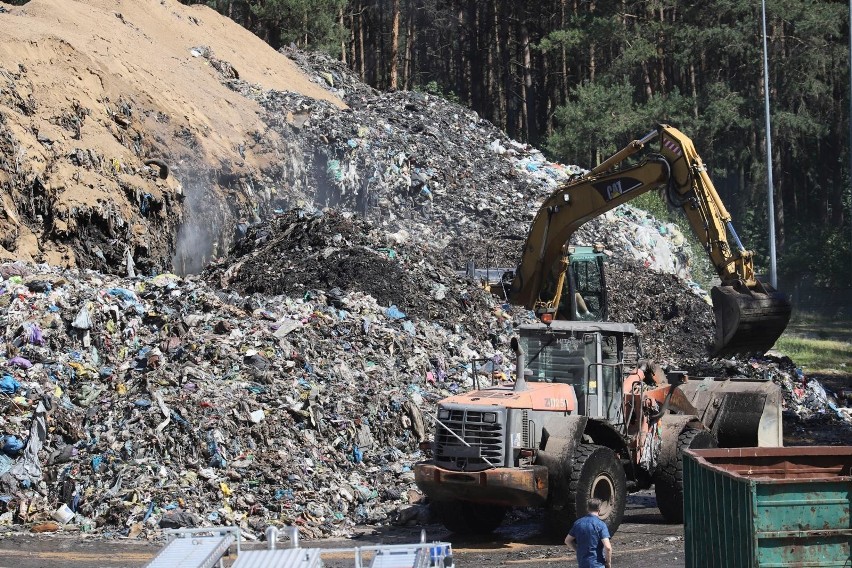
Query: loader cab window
[
  {"x": 610, "y": 379},
  {"x": 558, "y": 358}
]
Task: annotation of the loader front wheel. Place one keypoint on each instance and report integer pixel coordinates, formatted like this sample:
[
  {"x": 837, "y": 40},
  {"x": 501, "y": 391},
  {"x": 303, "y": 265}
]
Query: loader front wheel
[
  {"x": 668, "y": 479},
  {"x": 594, "y": 472},
  {"x": 464, "y": 517}
]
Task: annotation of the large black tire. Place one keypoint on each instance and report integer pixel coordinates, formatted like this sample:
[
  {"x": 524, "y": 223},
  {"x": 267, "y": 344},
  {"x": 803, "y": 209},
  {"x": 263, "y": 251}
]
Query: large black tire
[
  {"x": 464, "y": 517},
  {"x": 595, "y": 471},
  {"x": 668, "y": 479}
]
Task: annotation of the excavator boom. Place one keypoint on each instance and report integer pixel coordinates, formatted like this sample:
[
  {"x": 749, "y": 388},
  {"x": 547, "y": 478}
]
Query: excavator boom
[{"x": 750, "y": 314}]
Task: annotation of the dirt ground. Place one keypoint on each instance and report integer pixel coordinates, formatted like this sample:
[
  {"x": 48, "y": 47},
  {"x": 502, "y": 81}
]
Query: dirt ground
[{"x": 643, "y": 540}]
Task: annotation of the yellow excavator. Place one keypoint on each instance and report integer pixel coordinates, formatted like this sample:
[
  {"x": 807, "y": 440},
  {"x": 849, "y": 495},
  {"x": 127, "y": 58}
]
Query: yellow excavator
[{"x": 750, "y": 314}]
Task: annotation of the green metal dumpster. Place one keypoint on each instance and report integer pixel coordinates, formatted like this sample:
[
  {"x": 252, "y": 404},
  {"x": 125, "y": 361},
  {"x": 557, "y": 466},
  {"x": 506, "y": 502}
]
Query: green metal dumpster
[{"x": 768, "y": 507}]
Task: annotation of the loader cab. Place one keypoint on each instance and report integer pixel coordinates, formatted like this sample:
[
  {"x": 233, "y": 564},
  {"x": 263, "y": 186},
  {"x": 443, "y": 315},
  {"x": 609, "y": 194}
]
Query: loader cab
[{"x": 590, "y": 356}]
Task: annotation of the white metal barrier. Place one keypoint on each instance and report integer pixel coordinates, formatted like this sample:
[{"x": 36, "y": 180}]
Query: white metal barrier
[{"x": 205, "y": 548}]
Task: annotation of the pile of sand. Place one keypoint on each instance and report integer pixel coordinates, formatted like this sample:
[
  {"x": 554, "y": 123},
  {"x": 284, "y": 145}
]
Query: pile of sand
[{"x": 91, "y": 90}]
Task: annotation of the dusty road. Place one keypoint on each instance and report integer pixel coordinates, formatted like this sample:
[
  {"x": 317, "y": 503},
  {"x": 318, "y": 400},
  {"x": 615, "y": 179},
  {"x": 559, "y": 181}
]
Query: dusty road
[{"x": 643, "y": 540}]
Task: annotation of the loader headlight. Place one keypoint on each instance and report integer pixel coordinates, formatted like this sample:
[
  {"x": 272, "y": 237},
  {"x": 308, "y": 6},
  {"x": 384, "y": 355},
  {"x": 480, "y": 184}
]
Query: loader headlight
[
  {"x": 443, "y": 414},
  {"x": 489, "y": 417}
]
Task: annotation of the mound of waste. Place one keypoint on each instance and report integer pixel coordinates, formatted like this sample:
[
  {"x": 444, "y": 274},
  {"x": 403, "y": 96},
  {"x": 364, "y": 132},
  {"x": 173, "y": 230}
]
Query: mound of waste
[
  {"x": 151, "y": 402},
  {"x": 301, "y": 251},
  {"x": 814, "y": 414},
  {"x": 677, "y": 326},
  {"x": 154, "y": 402}
]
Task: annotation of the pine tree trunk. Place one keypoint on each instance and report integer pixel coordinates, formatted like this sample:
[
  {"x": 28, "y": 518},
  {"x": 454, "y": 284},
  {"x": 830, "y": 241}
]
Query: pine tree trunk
[
  {"x": 474, "y": 58},
  {"x": 510, "y": 112},
  {"x": 498, "y": 66},
  {"x": 693, "y": 90},
  {"x": 592, "y": 47},
  {"x": 342, "y": 23},
  {"x": 461, "y": 37},
  {"x": 362, "y": 69},
  {"x": 527, "y": 93},
  {"x": 661, "y": 55},
  {"x": 563, "y": 23},
  {"x": 780, "y": 226},
  {"x": 380, "y": 69},
  {"x": 409, "y": 49},
  {"x": 394, "y": 50}
]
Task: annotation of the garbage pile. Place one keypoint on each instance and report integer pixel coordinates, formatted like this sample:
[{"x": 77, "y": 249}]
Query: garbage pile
[
  {"x": 134, "y": 404},
  {"x": 301, "y": 251},
  {"x": 144, "y": 403},
  {"x": 434, "y": 175},
  {"x": 289, "y": 384},
  {"x": 331, "y": 74},
  {"x": 677, "y": 327},
  {"x": 417, "y": 162}
]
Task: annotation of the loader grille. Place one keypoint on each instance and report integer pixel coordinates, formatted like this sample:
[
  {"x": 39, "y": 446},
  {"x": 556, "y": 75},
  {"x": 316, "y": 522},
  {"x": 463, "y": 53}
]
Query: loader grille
[{"x": 485, "y": 434}]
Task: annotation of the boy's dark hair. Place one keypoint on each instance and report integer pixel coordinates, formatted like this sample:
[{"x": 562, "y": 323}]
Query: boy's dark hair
[{"x": 593, "y": 505}]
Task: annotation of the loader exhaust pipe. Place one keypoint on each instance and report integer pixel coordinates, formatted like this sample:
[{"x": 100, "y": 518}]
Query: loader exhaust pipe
[{"x": 520, "y": 365}]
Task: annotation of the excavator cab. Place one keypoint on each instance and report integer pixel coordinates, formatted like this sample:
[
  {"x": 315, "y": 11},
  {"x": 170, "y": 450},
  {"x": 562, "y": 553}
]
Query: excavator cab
[
  {"x": 588, "y": 284},
  {"x": 576, "y": 288}
]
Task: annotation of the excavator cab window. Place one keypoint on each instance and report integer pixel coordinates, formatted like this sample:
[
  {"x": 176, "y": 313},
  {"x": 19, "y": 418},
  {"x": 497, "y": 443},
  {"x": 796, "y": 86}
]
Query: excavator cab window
[{"x": 587, "y": 288}]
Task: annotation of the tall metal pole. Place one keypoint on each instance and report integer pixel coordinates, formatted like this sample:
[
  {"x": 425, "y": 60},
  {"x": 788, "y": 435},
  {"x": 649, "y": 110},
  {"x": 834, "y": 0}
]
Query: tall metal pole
[
  {"x": 773, "y": 276},
  {"x": 850, "y": 122}
]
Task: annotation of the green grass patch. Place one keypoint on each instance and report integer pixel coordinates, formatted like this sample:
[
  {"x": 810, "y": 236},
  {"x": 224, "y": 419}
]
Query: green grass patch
[
  {"x": 816, "y": 355},
  {"x": 818, "y": 344}
]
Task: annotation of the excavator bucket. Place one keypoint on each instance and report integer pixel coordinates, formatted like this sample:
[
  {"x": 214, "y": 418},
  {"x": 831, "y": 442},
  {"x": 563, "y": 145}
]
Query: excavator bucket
[{"x": 748, "y": 321}]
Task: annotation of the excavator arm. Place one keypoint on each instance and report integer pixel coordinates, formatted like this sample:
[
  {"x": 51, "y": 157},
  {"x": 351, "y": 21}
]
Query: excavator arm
[{"x": 750, "y": 315}]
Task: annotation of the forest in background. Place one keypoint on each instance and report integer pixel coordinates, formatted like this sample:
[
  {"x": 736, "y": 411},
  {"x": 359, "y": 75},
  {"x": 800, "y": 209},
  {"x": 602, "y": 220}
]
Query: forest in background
[{"x": 580, "y": 79}]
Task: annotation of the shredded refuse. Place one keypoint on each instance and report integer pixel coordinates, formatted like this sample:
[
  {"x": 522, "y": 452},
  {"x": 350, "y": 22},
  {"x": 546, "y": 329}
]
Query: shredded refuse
[
  {"x": 159, "y": 402},
  {"x": 250, "y": 396}
]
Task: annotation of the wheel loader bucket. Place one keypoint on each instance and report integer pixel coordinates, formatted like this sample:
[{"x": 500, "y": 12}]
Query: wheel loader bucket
[
  {"x": 748, "y": 321},
  {"x": 740, "y": 412}
]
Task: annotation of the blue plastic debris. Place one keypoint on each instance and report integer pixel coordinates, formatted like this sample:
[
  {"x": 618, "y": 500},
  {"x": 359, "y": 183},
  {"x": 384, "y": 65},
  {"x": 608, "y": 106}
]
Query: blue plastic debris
[
  {"x": 149, "y": 511},
  {"x": 8, "y": 385},
  {"x": 123, "y": 293},
  {"x": 395, "y": 313},
  {"x": 409, "y": 327},
  {"x": 12, "y": 445}
]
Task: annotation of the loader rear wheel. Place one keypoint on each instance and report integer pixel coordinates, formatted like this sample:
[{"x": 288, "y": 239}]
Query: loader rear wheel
[
  {"x": 595, "y": 471},
  {"x": 668, "y": 479},
  {"x": 464, "y": 517}
]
